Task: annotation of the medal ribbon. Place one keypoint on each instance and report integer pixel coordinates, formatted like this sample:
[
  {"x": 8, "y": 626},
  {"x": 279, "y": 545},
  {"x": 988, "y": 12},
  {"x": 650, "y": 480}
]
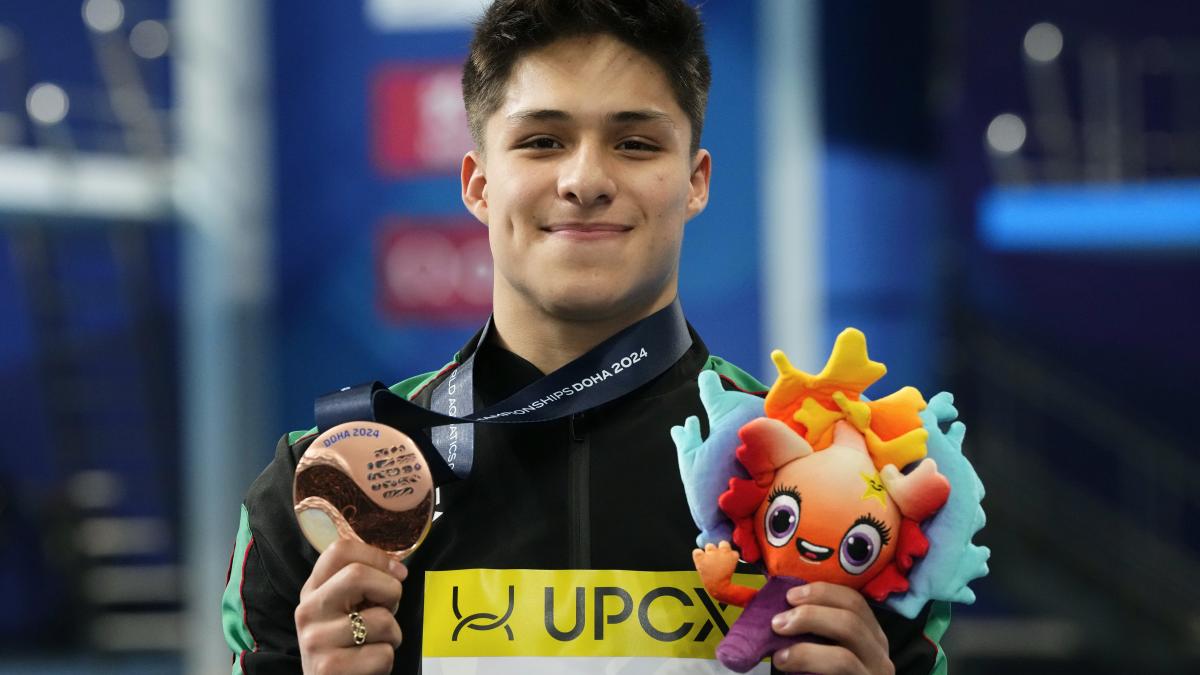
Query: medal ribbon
[{"x": 610, "y": 370}]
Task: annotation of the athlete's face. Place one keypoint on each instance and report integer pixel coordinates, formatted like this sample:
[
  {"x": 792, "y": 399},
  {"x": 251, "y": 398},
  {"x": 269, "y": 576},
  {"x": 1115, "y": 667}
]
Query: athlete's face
[{"x": 586, "y": 181}]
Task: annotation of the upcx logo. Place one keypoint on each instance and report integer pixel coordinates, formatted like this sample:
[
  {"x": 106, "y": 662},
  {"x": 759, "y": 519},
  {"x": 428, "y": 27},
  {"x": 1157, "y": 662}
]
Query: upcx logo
[
  {"x": 610, "y": 605},
  {"x": 614, "y": 605},
  {"x": 573, "y": 613},
  {"x": 483, "y": 620}
]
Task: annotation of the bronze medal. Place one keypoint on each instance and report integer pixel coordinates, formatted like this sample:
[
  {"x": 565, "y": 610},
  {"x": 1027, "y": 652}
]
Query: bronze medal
[{"x": 364, "y": 481}]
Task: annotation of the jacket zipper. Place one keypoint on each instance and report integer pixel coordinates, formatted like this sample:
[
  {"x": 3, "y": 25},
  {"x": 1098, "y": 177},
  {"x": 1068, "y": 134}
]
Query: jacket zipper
[{"x": 578, "y": 498}]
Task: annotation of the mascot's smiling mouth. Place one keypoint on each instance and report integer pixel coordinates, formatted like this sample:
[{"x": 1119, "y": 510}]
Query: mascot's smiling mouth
[{"x": 810, "y": 552}]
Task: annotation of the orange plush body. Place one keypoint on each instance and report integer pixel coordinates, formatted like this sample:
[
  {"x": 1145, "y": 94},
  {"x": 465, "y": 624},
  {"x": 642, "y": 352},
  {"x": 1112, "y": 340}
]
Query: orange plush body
[{"x": 826, "y": 499}]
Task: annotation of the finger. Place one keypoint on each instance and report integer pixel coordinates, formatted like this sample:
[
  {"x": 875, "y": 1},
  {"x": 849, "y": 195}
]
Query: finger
[
  {"x": 380, "y": 625},
  {"x": 345, "y": 551},
  {"x": 369, "y": 659},
  {"x": 841, "y": 626},
  {"x": 724, "y": 546},
  {"x": 842, "y": 597},
  {"x": 354, "y": 585},
  {"x": 812, "y": 657}
]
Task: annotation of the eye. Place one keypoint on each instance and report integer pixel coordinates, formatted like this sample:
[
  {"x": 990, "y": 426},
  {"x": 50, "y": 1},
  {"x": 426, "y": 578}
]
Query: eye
[
  {"x": 637, "y": 146},
  {"x": 783, "y": 514},
  {"x": 862, "y": 544},
  {"x": 541, "y": 143}
]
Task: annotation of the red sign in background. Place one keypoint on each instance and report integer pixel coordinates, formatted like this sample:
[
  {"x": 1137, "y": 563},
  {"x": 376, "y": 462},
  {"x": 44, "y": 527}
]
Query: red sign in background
[
  {"x": 418, "y": 124},
  {"x": 433, "y": 270}
]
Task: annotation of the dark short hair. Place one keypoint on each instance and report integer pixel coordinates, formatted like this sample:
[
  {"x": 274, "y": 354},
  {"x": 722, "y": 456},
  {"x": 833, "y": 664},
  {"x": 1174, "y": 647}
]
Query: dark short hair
[{"x": 667, "y": 31}]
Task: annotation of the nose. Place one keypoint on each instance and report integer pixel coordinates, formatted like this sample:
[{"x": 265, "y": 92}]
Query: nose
[{"x": 585, "y": 179}]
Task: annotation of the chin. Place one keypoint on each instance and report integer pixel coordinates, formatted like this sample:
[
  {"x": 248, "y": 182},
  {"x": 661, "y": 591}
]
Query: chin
[
  {"x": 585, "y": 307},
  {"x": 593, "y": 302}
]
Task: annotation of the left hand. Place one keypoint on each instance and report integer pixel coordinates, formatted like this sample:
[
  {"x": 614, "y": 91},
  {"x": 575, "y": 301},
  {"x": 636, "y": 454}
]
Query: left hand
[{"x": 841, "y": 615}]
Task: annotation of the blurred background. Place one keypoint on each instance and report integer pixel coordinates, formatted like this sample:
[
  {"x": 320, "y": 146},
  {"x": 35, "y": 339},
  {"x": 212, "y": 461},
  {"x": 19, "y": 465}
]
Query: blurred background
[{"x": 212, "y": 211}]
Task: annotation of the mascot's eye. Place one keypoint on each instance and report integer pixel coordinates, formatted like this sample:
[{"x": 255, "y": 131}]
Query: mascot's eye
[
  {"x": 782, "y": 516},
  {"x": 862, "y": 544}
]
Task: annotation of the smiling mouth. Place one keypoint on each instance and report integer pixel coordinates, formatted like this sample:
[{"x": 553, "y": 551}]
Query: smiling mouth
[
  {"x": 587, "y": 229},
  {"x": 810, "y": 552}
]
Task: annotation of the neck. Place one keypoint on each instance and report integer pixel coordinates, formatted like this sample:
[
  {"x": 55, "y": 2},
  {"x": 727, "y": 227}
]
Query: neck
[{"x": 550, "y": 342}]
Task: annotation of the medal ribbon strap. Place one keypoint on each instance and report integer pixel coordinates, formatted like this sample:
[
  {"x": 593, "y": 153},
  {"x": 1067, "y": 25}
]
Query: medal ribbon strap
[{"x": 610, "y": 370}]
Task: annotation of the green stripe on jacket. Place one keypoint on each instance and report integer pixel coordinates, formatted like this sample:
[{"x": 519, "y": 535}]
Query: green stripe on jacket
[{"x": 233, "y": 610}]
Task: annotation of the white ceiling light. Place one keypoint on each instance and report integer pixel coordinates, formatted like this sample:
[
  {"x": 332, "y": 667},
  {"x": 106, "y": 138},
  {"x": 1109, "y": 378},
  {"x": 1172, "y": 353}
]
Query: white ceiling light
[
  {"x": 1043, "y": 42},
  {"x": 149, "y": 39},
  {"x": 47, "y": 103},
  {"x": 1006, "y": 133},
  {"x": 103, "y": 16}
]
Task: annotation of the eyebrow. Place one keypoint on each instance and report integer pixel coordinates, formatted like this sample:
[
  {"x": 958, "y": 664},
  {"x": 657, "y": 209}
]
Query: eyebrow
[
  {"x": 621, "y": 117},
  {"x": 626, "y": 116}
]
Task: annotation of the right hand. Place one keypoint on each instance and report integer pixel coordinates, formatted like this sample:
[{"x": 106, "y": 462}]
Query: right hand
[{"x": 350, "y": 576}]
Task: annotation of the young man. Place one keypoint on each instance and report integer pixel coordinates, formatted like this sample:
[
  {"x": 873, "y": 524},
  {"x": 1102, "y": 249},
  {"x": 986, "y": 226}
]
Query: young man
[{"x": 587, "y": 117}]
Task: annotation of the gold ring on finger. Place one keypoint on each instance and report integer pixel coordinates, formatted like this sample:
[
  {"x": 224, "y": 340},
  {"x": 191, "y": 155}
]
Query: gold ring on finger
[{"x": 358, "y": 628}]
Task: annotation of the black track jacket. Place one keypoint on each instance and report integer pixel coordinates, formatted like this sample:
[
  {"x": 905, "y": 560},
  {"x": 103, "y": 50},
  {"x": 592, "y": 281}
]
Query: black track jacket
[{"x": 598, "y": 491}]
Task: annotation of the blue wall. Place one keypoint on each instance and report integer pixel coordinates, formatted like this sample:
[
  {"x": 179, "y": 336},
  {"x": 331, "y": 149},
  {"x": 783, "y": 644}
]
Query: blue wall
[{"x": 882, "y": 193}]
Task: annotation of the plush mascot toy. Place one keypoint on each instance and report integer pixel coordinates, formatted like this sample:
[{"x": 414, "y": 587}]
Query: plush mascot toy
[{"x": 817, "y": 483}]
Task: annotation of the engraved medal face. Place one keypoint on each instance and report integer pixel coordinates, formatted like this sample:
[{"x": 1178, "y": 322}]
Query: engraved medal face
[{"x": 364, "y": 481}]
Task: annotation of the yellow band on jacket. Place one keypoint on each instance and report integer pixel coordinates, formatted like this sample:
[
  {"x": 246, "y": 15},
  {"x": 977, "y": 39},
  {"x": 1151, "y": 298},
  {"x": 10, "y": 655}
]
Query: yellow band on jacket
[{"x": 573, "y": 613}]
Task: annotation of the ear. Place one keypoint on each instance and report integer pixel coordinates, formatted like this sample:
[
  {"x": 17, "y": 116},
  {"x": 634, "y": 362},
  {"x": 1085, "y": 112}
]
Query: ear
[
  {"x": 701, "y": 174},
  {"x": 474, "y": 186},
  {"x": 768, "y": 444},
  {"x": 918, "y": 494}
]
